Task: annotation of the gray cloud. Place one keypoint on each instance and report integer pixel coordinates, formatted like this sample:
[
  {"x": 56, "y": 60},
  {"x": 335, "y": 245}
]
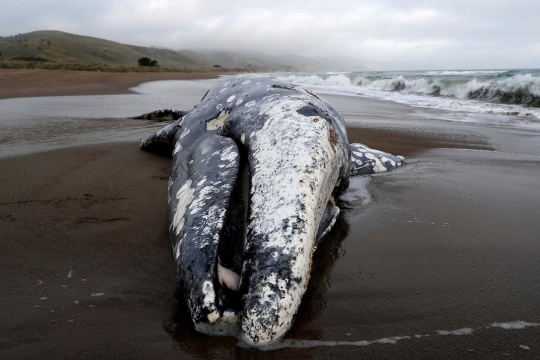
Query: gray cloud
[{"x": 410, "y": 34}]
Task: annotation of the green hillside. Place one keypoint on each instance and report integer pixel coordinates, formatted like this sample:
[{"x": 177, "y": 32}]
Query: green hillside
[
  {"x": 63, "y": 47},
  {"x": 75, "y": 52}
]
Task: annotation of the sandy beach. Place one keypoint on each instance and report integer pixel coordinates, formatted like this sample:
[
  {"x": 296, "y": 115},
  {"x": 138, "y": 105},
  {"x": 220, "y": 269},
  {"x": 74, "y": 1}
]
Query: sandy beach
[
  {"x": 36, "y": 82},
  {"x": 441, "y": 263}
]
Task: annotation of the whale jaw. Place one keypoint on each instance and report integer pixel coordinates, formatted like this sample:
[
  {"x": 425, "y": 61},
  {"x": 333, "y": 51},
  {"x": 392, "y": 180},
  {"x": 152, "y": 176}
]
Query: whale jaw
[{"x": 295, "y": 166}]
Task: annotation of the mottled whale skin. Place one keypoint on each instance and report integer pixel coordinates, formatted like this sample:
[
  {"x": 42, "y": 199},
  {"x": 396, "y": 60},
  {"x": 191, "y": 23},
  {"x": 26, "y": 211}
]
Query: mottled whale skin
[{"x": 256, "y": 168}]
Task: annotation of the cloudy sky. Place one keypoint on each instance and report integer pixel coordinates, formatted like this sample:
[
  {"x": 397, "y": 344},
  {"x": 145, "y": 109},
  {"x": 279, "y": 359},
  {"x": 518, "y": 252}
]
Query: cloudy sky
[{"x": 389, "y": 34}]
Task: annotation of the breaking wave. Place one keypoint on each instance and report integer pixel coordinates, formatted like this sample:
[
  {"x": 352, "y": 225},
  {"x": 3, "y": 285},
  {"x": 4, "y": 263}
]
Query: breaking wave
[{"x": 520, "y": 89}]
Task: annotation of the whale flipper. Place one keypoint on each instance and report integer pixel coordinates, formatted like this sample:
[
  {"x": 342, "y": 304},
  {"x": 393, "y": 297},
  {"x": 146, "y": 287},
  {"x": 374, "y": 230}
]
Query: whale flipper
[
  {"x": 365, "y": 160},
  {"x": 162, "y": 140},
  {"x": 161, "y": 115}
]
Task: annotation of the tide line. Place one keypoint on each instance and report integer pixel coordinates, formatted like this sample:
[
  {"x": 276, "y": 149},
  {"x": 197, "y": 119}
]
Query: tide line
[{"x": 299, "y": 343}]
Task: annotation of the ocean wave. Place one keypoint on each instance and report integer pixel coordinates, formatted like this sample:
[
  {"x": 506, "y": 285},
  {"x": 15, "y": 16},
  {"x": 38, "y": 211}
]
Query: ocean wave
[
  {"x": 466, "y": 72},
  {"x": 521, "y": 89}
]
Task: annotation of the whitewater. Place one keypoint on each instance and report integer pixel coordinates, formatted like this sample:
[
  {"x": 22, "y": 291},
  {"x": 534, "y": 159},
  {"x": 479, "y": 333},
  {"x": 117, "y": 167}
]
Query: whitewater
[{"x": 509, "y": 97}]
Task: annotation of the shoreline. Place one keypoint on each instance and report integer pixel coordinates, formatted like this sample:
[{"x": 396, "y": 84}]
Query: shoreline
[
  {"x": 21, "y": 83},
  {"x": 25, "y": 83}
]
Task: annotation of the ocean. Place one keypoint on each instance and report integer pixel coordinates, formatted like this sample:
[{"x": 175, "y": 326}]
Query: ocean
[{"x": 498, "y": 97}]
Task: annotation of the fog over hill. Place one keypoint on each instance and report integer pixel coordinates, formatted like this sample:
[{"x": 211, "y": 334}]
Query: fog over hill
[
  {"x": 62, "y": 47},
  {"x": 287, "y": 62}
]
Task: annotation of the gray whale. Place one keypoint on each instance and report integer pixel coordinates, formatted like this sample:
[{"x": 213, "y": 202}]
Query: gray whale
[{"x": 256, "y": 168}]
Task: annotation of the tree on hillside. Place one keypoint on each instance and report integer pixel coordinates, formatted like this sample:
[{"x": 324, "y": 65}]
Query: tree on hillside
[{"x": 146, "y": 61}]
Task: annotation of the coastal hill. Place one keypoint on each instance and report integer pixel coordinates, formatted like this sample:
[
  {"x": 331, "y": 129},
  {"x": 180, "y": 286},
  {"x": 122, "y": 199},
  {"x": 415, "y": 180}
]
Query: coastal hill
[
  {"x": 62, "y": 47},
  {"x": 66, "y": 48}
]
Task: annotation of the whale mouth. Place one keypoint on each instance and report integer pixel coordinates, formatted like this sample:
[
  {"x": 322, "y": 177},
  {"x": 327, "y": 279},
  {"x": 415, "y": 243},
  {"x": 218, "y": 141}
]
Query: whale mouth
[
  {"x": 230, "y": 276},
  {"x": 232, "y": 240}
]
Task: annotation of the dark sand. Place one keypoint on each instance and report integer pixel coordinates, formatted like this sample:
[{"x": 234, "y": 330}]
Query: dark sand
[
  {"x": 448, "y": 242},
  {"x": 77, "y": 222}
]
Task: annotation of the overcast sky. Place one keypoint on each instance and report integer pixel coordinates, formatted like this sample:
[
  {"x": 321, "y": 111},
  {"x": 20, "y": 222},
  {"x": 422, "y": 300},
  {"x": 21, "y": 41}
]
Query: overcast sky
[{"x": 389, "y": 34}]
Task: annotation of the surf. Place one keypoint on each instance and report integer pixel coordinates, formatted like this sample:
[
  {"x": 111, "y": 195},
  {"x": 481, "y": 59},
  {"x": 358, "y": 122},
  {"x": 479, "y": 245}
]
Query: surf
[{"x": 499, "y": 92}]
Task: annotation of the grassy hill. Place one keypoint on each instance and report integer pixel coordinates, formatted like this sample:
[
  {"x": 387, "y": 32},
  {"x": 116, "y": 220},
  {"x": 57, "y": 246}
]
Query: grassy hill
[
  {"x": 63, "y": 47},
  {"x": 60, "y": 50}
]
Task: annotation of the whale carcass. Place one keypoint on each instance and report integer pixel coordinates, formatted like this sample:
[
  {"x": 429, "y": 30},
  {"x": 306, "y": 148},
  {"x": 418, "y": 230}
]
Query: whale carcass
[{"x": 257, "y": 167}]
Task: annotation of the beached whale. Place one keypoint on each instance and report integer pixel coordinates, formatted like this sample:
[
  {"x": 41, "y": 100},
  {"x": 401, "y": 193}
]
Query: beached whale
[{"x": 257, "y": 166}]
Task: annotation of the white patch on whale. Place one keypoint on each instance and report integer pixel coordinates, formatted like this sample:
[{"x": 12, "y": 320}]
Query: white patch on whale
[
  {"x": 218, "y": 122},
  {"x": 184, "y": 196},
  {"x": 378, "y": 167},
  {"x": 229, "y": 155},
  {"x": 229, "y": 317},
  {"x": 185, "y": 132},
  {"x": 209, "y": 300},
  {"x": 177, "y": 148}
]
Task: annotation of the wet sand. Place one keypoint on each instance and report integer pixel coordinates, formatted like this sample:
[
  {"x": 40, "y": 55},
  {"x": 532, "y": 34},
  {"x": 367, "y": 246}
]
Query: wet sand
[
  {"x": 447, "y": 247},
  {"x": 37, "y": 82}
]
